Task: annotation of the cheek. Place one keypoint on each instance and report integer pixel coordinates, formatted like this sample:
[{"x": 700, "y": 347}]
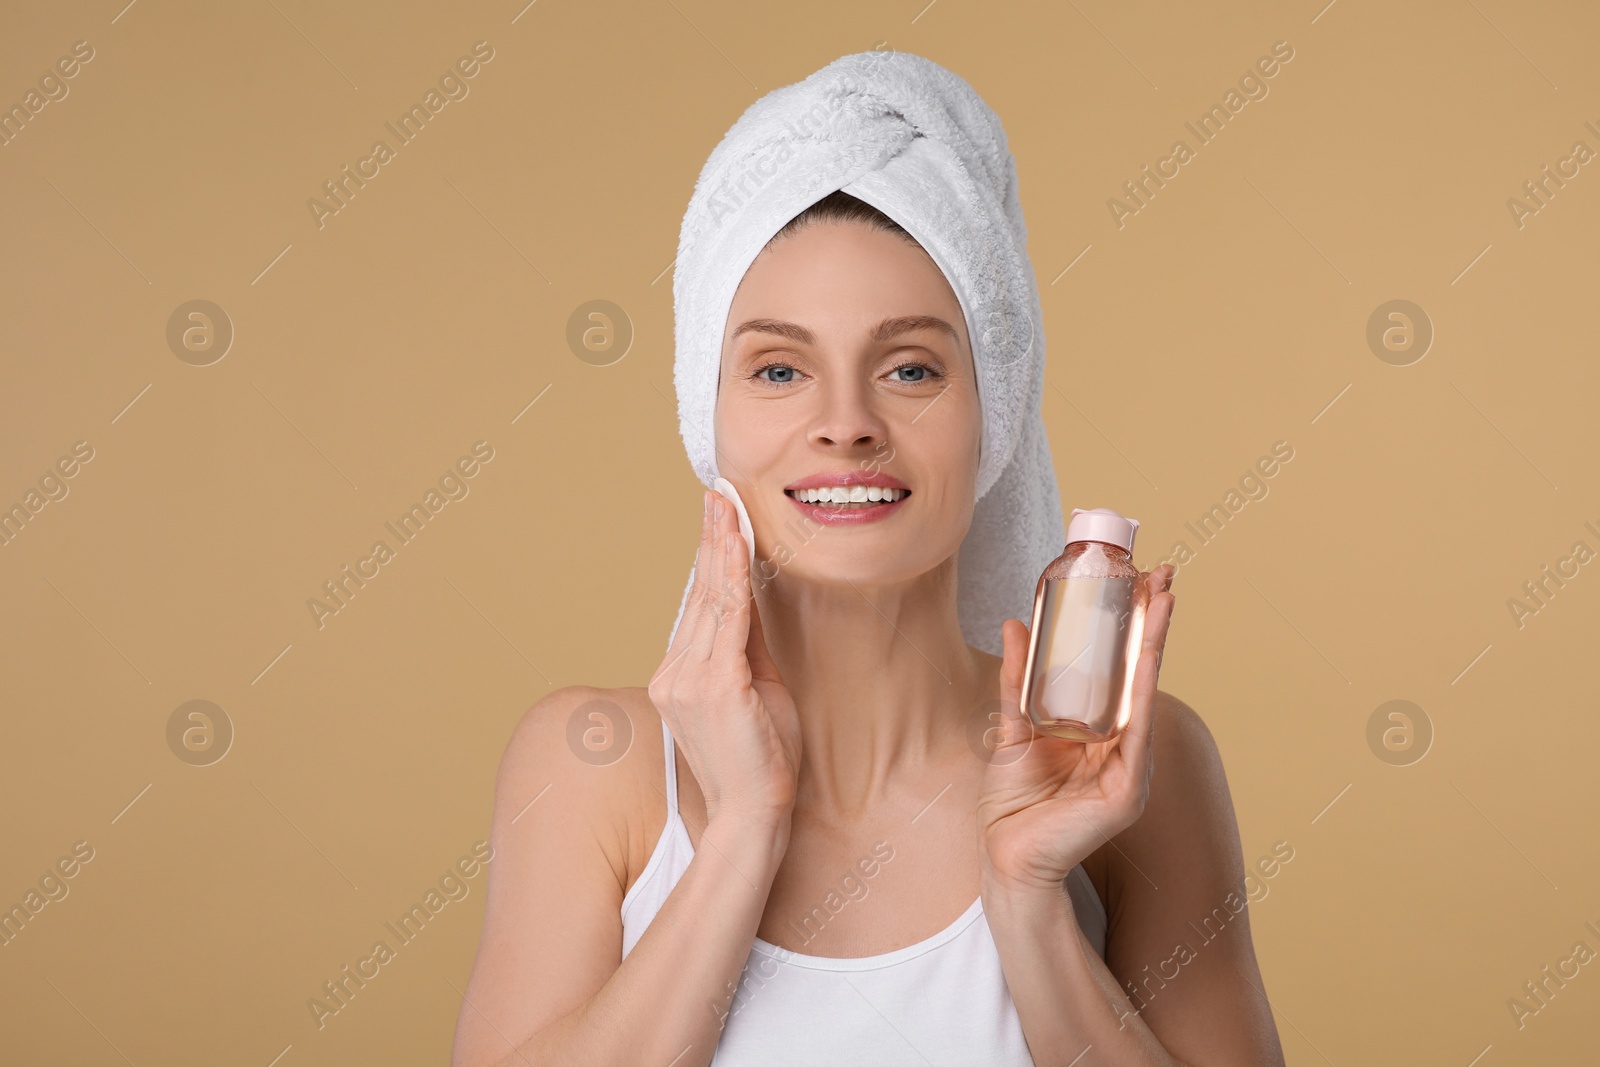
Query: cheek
[
  {"x": 953, "y": 437},
  {"x": 751, "y": 435},
  {"x": 944, "y": 451}
]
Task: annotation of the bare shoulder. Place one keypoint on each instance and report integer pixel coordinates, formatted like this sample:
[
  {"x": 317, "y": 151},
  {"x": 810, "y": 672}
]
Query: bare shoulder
[
  {"x": 1184, "y": 759},
  {"x": 1183, "y": 737},
  {"x": 596, "y": 753},
  {"x": 1187, "y": 783},
  {"x": 596, "y": 725},
  {"x": 567, "y": 797},
  {"x": 1178, "y": 902}
]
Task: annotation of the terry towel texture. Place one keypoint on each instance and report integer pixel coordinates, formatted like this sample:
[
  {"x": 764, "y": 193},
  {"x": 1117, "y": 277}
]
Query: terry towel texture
[{"x": 914, "y": 140}]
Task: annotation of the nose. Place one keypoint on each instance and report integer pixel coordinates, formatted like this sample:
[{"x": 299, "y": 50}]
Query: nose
[{"x": 848, "y": 418}]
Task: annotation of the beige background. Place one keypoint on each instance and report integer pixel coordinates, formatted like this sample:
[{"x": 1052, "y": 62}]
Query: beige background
[{"x": 1228, "y": 314}]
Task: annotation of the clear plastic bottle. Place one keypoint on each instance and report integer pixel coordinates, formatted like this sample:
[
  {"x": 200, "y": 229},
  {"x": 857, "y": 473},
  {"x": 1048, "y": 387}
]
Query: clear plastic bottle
[{"x": 1088, "y": 625}]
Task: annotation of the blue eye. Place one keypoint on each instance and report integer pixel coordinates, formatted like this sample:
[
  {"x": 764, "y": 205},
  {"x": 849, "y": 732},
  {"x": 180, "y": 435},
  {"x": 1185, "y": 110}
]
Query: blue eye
[
  {"x": 926, "y": 373},
  {"x": 784, "y": 374},
  {"x": 780, "y": 368}
]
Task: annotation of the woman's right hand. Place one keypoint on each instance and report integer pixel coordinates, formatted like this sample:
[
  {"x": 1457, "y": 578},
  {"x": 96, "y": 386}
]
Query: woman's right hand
[{"x": 719, "y": 690}]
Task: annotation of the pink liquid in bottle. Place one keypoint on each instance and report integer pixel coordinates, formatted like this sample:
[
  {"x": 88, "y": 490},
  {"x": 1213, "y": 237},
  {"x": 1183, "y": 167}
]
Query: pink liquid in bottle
[{"x": 1087, "y": 630}]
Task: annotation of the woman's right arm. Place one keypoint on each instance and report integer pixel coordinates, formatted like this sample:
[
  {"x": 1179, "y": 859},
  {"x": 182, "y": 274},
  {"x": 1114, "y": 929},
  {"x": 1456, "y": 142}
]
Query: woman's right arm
[{"x": 546, "y": 988}]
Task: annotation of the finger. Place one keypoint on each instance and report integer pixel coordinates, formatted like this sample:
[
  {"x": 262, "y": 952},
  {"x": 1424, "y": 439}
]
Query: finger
[
  {"x": 762, "y": 665},
  {"x": 1014, "y": 654},
  {"x": 733, "y": 634},
  {"x": 756, "y": 653},
  {"x": 1133, "y": 745},
  {"x": 1134, "y": 742},
  {"x": 1157, "y": 621},
  {"x": 1172, "y": 572},
  {"x": 695, "y": 614},
  {"x": 1160, "y": 579},
  {"x": 704, "y": 639},
  {"x": 1015, "y": 726}
]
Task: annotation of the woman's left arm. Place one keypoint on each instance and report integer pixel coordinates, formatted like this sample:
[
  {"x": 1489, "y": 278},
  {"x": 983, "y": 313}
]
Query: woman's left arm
[{"x": 1179, "y": 935}]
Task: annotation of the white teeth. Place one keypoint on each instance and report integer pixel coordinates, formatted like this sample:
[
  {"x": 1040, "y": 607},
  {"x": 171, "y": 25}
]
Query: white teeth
[{"x": 856, "y": 494}]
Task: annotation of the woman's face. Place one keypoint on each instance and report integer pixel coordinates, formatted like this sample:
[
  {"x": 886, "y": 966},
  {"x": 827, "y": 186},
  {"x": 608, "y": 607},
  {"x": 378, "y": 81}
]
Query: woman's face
[{"x": 834, "y": 364}]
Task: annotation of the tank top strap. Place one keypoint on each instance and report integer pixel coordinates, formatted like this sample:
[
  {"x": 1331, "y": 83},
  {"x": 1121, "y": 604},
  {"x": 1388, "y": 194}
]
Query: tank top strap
[{"x": 672, "y": 772}]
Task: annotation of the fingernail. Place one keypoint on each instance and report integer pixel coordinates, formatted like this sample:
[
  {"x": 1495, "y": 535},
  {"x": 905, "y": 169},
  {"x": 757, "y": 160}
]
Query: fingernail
[{"x": 705, "y": 503}]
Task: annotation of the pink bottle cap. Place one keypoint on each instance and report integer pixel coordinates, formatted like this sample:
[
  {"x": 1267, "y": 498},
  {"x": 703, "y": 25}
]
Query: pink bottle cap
[{"x": 1101, "y": 524}]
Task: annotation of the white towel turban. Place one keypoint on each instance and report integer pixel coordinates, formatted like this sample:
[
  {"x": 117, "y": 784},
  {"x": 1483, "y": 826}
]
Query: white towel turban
[{"x": 917, "y": 142}]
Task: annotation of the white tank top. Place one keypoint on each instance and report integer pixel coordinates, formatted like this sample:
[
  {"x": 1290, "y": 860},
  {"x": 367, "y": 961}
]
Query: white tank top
[{"x": 940, "y": 1001}]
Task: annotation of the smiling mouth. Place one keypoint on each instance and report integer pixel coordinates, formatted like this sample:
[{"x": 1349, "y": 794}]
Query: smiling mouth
[{"x": 854, "y": 498}]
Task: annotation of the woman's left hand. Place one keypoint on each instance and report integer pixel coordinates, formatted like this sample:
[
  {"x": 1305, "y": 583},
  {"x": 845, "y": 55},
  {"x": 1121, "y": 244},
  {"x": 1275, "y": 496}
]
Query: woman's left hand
[{"x": 1047, "y": 803}]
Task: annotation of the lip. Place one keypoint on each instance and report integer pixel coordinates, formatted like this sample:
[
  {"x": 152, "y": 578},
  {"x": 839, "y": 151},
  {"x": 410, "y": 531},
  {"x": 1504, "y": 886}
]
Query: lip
[
  {"x": 834, "y": 516},
  {"x": 848, "y": 479}
]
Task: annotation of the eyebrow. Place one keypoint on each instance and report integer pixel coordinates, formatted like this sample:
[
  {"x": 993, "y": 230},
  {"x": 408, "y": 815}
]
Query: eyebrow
[{"x": 884, "y": 331}]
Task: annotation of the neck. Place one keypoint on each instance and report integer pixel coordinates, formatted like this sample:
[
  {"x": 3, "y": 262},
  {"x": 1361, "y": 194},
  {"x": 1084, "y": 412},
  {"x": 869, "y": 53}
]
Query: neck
[{"x": 883, "y": 681}]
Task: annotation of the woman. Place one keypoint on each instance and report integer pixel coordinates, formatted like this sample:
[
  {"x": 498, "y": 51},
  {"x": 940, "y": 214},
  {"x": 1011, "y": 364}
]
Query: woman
[{"x": 803, "y": 857}]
